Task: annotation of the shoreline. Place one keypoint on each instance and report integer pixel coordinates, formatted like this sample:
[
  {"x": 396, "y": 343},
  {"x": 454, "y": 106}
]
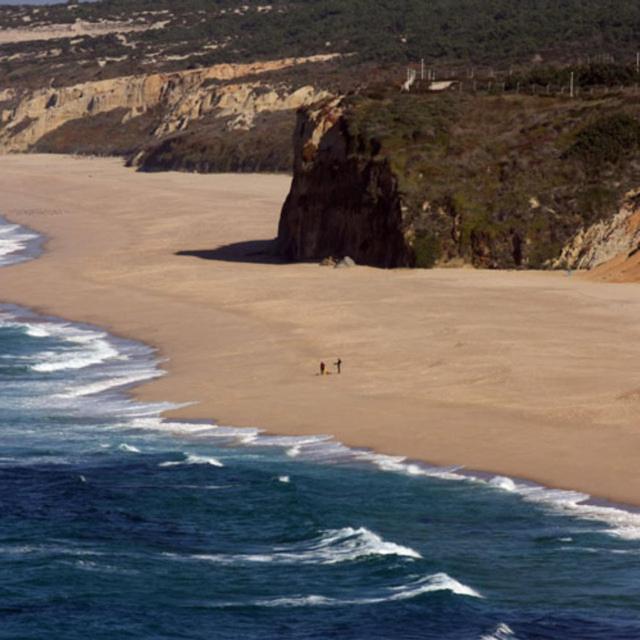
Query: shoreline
[
  {"x": 586, "y": 508},
  {"x": 255, "y": 322}
]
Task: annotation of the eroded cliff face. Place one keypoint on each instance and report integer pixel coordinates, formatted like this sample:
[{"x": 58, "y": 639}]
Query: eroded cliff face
[
  {"x": 397, "y": 180},
  {"x": 616, "y": 239},
  {"x": 180, "y": 98},
  {"x": 343, "y": 202}
]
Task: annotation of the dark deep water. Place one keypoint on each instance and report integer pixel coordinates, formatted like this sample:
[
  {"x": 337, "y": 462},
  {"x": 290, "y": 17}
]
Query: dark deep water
[{"x": 116, "y": 524}]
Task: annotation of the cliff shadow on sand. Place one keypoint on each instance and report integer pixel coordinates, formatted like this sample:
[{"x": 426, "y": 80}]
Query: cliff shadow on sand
[{"x": 251, "y": 251}]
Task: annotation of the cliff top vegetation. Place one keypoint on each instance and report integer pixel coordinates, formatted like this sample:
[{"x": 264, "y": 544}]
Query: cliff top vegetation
[
  {"x": 204, "y": 32},
  {"x": 501, "y": 179}
]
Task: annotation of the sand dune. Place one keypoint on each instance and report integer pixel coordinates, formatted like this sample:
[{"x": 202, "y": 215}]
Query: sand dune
[{"x": 530, "y": 374}]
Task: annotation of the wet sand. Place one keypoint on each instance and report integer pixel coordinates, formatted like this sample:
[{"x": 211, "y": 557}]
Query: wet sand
[{"x": 534, "y": 375}]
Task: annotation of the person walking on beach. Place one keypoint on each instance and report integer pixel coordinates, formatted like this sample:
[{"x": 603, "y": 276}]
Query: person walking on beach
[
  {"x": 338, "y": 364},
  {"x": 322, "y": 368}
]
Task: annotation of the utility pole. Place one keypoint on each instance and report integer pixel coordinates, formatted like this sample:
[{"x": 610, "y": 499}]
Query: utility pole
[
  {"x": 638, "y": 62},
  {"x": 422, "y": 69},
  {"x": 571, "y": 92}
]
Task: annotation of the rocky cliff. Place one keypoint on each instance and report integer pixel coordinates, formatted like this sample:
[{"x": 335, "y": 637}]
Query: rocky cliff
[
  {"x": 342, "y": 202},
  {"x": 169, "y": 103},
  {"x": 495, "y": 182},
  {"x": 612, "y": 239}
]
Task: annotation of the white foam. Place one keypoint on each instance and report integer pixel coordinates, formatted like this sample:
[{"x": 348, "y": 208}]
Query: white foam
[
  {"x": 332, "y": 547},
  {"x": 623, "y": 524},
  {"x": 300, "y": 601},
  {"x": 84, "y": 347},
  {"x": 194, "y": 459},
  {"x": 349, "y": 544},
  {"x": 101, "y": 386},
  {"x": 6, "y": 227},
  {"x": 284, "y": 479},
  {"x": 32, "y": 461},
  {"x": 48, "y": 549},
  {"x": 36, "y": 331},
  {"x": 14, "y": 239},
  {"x": 92, "y": 348},
  {"x": 506, "y": 484},
  {"x": 436, "y": 582},
  {"x": 420, "y": 586},
  {"x": 128, "y": 448},
  {"x": 148, "y": 418},
  {"x": 501, "y": 632},
  {"x": 399, "y": 464},
  {"x": 323, "y": 449}
]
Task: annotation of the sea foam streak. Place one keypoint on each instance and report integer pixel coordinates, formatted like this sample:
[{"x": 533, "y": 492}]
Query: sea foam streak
[
  {"x": 86, "y": 347},
  {"x": 109, "y": 384},
  {"x": 623, "y": 524},
  {"x": 193, "y": 459},
  {"x": 333, "y": 546},
  {"x": 89, "y": 348},
  {"x": 502, "y": 632},
  {"x": 14, "y": 240},
  {"x": 127, "y": 448},
  {"x": 420, "y": 586},
  {"x": 324, "y": 449}
]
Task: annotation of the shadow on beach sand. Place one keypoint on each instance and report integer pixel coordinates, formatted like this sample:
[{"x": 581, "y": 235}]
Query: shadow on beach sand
[{"x": 253, "y": 251}]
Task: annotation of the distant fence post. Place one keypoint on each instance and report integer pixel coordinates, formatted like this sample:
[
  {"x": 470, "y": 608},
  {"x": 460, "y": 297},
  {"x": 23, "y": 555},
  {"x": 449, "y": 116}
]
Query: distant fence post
[{"x": 571, "y": 88}]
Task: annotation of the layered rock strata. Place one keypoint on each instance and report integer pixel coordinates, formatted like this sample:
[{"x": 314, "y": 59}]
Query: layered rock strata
[
  {"x": 606, "y": 240},
  {"x": 183, "y": 97}
]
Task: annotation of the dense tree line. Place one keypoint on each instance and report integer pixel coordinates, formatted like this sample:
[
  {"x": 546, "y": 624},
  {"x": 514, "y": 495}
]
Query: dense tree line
[
  {"x": 394, "y": 30},
  {"x": 475, "y": 30}
]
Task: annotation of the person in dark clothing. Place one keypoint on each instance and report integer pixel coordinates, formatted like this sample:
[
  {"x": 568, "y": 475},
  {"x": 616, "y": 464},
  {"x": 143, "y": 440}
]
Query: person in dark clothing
[
  {"x": 322, "y": 368},
  {"x": 338, "y": 364}
]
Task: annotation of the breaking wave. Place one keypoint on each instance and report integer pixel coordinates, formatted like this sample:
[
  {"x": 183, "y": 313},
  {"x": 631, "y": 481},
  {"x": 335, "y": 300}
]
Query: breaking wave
[
  {"x": 15, "y": 241},
  {"x": 333, "y": 546},
  {"x": 502, "y": 632},
  {"x": 420, "y": 586},
  {"x": 193, "y": 459}
]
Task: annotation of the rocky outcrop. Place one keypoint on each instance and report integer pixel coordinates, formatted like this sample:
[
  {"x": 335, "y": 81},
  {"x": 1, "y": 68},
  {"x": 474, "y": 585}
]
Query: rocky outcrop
[
  {"x": 618, "y": 237},
  {"x": 183, "y": 96},
  {"x": 342, "y": 201},
  {"x": 398, "y": 180}
]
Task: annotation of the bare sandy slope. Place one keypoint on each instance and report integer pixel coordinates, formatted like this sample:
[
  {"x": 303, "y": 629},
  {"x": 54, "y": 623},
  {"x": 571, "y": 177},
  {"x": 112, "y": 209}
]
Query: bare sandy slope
[
  {"x": 71, "y": 30},
  {"x": 621, "y": 269},
  {"x": 624, "y": 267},
  {"x": 535, "y": 375}
]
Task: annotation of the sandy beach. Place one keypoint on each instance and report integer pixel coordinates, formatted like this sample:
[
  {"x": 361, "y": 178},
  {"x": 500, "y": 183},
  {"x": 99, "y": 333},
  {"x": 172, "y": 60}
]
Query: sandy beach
[{"x": 534, "y": 375}]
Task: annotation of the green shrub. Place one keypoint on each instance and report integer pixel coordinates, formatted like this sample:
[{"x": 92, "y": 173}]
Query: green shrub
[
  {"x": 426, "y": 248},
  {"x": 607, "y": 140}
]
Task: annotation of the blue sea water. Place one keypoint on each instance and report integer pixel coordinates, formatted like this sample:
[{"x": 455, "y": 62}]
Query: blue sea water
[{"x": 115, "y": 523}]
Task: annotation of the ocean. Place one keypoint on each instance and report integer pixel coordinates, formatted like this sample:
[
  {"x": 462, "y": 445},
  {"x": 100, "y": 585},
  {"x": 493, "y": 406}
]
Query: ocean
[{"x": 115, "y": 523}]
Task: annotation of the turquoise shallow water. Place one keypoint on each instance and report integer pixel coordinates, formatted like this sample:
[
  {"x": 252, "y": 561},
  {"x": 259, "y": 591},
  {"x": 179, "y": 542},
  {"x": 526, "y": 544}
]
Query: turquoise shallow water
[{"x": 115, "y": 523}]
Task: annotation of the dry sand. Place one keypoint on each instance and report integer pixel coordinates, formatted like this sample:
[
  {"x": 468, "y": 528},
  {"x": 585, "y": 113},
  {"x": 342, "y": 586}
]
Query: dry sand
[{"x": 534, "y": 375}]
